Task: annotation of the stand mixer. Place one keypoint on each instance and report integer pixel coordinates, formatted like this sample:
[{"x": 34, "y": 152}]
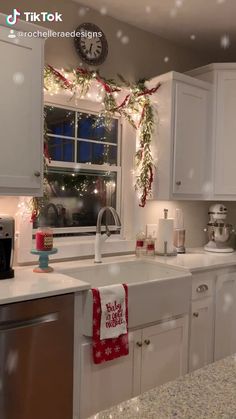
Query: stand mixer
[{"x": 218, "y": 231}]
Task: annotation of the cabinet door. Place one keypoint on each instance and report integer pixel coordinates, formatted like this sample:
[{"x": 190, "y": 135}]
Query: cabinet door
[
  {"x": 225, "y": 146},
  {"x": 164, "y": 352},
  {"x": 225, "y": 317},
  {"x": 21, "y": 88},
  {"x": 191, "y": 135},
  {"x": 201, "y": 334},
  {"x": 109, "y": 383}
]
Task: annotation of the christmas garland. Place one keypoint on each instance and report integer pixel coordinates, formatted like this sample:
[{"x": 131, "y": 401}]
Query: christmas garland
[{"x": 136, "y": 107}]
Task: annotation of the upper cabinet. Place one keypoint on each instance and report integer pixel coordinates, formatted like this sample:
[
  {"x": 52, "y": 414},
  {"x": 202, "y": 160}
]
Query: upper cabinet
[
  {"x": 21, "y": 114},
  {"x": 181, "y": 142},
  {"x": 223, "y": 151}
]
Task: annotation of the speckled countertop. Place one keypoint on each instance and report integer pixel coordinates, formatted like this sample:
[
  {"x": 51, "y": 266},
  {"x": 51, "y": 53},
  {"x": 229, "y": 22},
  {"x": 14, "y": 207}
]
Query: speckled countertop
[{"x": 208, "y": 393}]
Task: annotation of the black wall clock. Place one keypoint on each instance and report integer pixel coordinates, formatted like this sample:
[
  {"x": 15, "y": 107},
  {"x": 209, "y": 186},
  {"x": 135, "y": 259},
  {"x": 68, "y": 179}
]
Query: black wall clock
[{"x": 91, "y": 45}]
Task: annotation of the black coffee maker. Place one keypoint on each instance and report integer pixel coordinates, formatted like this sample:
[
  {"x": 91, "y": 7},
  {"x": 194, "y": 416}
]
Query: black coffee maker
[{"x": 7, "y": 233}]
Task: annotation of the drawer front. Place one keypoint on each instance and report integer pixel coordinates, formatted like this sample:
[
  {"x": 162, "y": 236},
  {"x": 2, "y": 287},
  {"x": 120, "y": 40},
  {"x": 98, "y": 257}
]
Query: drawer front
[{"x": 202, "y": 285}]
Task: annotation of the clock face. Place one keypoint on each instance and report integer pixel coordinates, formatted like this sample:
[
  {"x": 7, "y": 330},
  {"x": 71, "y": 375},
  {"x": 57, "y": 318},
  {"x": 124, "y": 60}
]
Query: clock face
[{"x": 91, "y": 45}]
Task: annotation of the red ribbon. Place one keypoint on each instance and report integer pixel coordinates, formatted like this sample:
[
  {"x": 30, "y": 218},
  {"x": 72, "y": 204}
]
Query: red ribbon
[
  {"x": 46, "y": 152},
  {"x": 106, "y": 86},
  {"x": 83, "y": 71},
  {"x": 67, "y": 83},
  {"x": 147, "y": 189},
  {"x": 149, "y": 91}
]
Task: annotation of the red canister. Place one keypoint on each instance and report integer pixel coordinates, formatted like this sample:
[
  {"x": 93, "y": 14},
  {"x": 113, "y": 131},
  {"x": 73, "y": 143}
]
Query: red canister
[{"x": 44, "y": 239}]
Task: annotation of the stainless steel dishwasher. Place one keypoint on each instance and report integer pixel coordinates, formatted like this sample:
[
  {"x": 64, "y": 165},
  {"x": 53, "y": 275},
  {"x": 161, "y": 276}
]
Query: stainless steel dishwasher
[{"x": 36, "y": 359}]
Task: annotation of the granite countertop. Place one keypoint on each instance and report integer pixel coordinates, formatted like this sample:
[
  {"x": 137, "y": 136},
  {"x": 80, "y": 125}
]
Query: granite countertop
[{"x": 208, "y": 393}]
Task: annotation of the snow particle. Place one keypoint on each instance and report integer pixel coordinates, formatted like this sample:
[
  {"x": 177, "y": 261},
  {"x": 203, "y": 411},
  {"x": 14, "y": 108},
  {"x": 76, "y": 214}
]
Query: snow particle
[
  {"x": 18, "y": 78},
  {"x": 119, "y": 34},
  {"x": 173, "y": 12},
  {"x": 103, "y": 10},
  {"x": 225, "y": 41},
  {"x": 166, "y": 59},
  {"x": 82, "y": 11},
  {"x": 148, "y": 9},
  {"x": 192, "y": 37},
  {"x": 179, "y": 3},
  {"x": 125, "y": 39}
]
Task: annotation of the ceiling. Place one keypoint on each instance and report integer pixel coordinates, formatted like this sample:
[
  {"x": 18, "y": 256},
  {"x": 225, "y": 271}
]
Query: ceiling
[{"x": 208, "y": 25}]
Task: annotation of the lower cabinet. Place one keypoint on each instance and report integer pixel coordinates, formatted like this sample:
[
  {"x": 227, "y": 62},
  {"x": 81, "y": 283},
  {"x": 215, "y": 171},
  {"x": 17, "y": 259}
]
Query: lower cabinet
[
  {"x": 201, "y": 334},
  {"x": 109, "y": 383},
  {"x": 225, "y": 316},
  {"x": 164, "y": 352},
  {"x": 157, "y": 354}
]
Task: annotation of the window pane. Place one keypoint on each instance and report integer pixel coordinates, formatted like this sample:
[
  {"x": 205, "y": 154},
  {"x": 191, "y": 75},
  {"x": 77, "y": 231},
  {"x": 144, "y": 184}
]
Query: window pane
[
  {"x": 60, "y": 121},
  {"x": 75, "y": 198},
  {"x": 91, "y": 127},
  {"x": 61, "y": 149},
  {"x": 96, "y": 153}
]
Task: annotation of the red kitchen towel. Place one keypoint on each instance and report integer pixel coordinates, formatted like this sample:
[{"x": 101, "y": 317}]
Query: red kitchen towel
[{"x": 107, "y": 349}]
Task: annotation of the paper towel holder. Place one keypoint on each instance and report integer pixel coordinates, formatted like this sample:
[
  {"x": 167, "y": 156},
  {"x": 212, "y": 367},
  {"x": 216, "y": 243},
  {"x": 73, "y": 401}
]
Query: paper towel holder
[
  {"x": 165, "y": 253},
  {"x": 165, "y": 243}
]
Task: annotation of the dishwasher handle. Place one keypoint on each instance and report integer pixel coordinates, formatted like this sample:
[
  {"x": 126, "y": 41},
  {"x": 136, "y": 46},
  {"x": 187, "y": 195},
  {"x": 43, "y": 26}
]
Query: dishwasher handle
[{"x": 34, "y": 321}]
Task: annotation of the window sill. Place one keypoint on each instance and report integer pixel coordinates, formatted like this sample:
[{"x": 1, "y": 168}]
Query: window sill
[{"x": 71, "y": 247}]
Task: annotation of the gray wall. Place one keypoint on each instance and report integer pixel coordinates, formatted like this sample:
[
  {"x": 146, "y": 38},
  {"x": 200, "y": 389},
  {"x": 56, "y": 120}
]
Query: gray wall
[{"x": 142, "y": 57}]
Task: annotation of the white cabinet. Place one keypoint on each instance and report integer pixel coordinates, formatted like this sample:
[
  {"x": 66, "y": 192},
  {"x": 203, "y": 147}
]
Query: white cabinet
[
  {"x": 180, "y": 141},
  {"x": 164, "y": 352},
  {"x": 223, "y": 150},
  {"x": 201, "y": 333},
  {"x": 157, "y": 354},
  {"x": 225, "y": 316},
  {"x": 21, "y": 114},
  {"x": 225, "y": 144},
  {"x": 109, "y": 383},
  {"x": 190, "y": 139}
]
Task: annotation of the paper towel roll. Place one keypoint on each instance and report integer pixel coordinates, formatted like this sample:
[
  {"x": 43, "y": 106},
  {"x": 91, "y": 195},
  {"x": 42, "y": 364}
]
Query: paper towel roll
[{"x": 165, "y": 234}]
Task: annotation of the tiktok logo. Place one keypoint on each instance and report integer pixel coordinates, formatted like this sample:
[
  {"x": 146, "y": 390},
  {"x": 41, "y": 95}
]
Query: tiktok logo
[{"x": 13, "y": 18}]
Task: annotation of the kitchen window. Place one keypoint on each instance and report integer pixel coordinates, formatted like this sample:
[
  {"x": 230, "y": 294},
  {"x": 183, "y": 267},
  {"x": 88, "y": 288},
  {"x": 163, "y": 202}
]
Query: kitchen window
[{"x": 84, "y": 174}]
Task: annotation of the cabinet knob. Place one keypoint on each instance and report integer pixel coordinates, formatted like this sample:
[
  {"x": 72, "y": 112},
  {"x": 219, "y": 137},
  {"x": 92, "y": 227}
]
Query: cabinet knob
[
  {"x": 202, "y": 288},
  {"x": 139, "y": 344},
  {"x": 195, "y": 314},
  {"x": 178, "y": 182},
  {"x": 147, "y": 342},
  {"x": 37, "y": 173}
]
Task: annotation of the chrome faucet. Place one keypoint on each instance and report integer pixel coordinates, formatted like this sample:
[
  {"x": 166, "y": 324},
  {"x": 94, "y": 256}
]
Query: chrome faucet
[{"x": 101, "y": 238}]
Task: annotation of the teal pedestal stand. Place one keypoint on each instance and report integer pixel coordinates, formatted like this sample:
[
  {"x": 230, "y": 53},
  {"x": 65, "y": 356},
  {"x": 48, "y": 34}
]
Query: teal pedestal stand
[{"x": 43, "y": 260}]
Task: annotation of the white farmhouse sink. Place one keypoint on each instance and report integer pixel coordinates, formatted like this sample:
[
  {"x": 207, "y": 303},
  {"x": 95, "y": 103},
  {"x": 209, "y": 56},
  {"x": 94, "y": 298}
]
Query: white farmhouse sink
[{"x": 155, "y": 292}]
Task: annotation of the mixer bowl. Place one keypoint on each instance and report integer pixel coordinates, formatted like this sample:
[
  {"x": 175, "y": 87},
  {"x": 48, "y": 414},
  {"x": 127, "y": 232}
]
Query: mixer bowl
[{"x": 219, "y": 232}]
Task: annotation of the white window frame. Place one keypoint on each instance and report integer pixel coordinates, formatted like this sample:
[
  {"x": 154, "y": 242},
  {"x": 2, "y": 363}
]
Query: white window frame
[
  {"x": 83, "y": 246},
  {"x": 88, "y": 167}
]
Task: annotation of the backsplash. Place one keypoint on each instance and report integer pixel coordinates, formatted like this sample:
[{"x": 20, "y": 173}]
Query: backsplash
[{"x": 195, "y": 216}]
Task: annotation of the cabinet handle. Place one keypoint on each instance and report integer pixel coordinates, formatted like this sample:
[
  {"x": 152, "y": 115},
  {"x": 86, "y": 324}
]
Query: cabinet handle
[
  {"x": 195, "y": 314},
  {"x": 147, "y": 342},
  {"x": 178, "y": 182},
  {"x": 202, "y": 288},
  {"x": 139, "y": 344},
  {"x": 37, "y": 173}
]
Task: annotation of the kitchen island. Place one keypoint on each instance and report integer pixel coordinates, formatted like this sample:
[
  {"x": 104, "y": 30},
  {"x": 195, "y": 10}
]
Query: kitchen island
[{"x": 206, "y": 393}]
